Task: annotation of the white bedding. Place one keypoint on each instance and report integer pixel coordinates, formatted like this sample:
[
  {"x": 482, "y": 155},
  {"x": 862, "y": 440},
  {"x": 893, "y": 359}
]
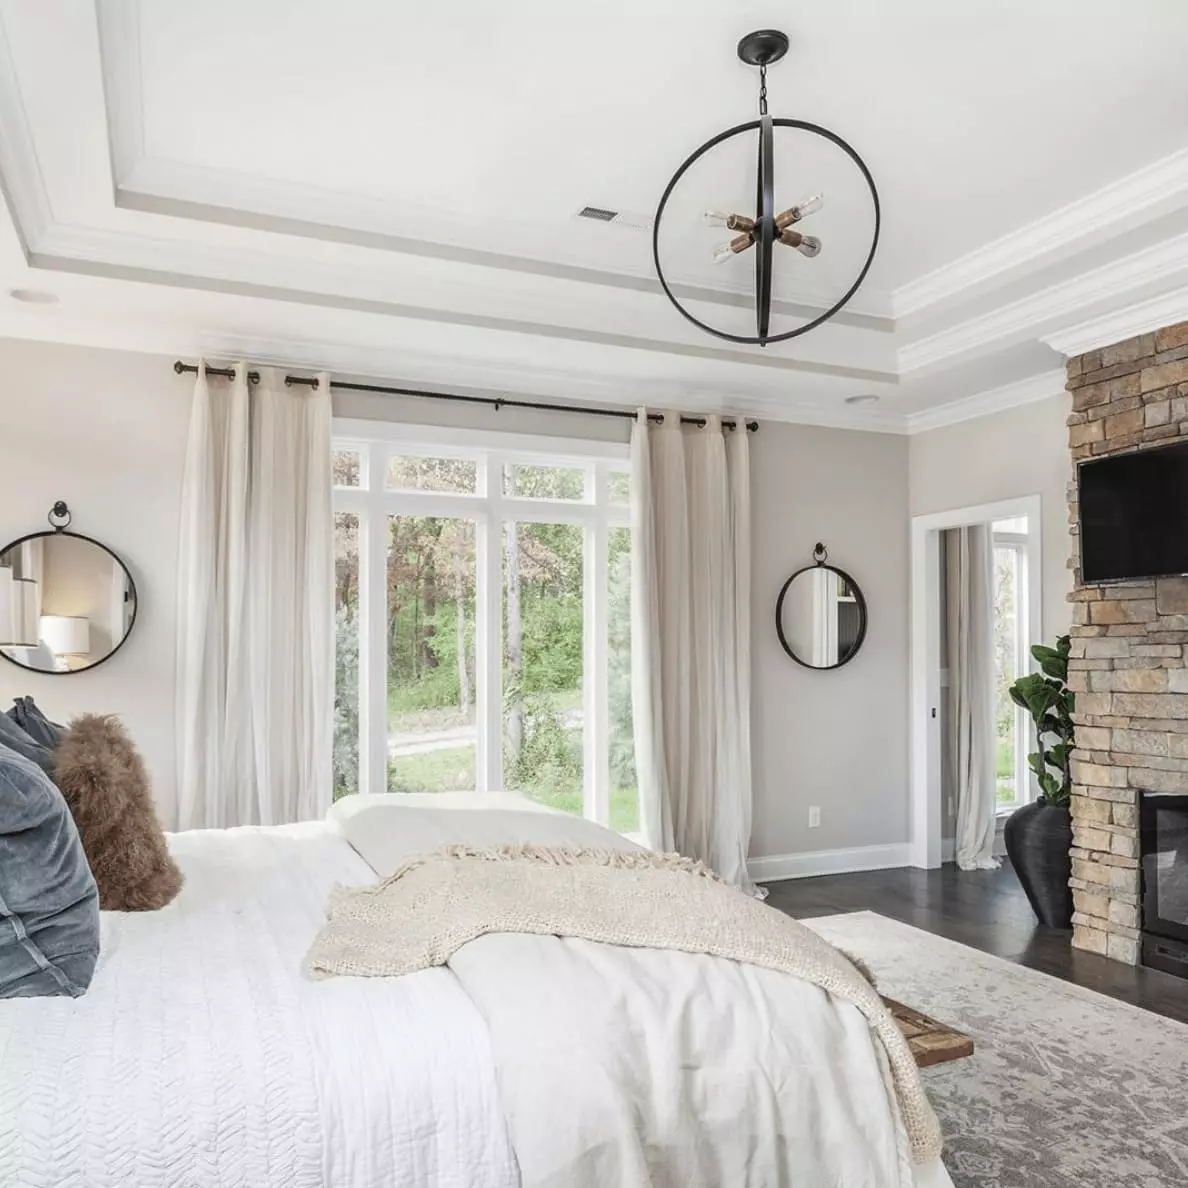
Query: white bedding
[{"x": 201, "y": 1056}]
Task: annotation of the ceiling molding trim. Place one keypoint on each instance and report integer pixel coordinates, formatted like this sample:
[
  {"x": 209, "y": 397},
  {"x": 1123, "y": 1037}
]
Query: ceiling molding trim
[
  {"x": 123, "y": 90},
  {"x": 179, "y": 280},
  {"x": 20, "y": 171},
  {"x": 985, "y": 404},
  {"x": 1109, "y": 283},
  {"x": 339, "y": 231},
  {"x": 1117, "y": 207},
  {"x": 1165, "y": 310}
]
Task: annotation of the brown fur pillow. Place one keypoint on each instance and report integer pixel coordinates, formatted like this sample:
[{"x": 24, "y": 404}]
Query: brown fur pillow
[{"x": 106, "y": 786}]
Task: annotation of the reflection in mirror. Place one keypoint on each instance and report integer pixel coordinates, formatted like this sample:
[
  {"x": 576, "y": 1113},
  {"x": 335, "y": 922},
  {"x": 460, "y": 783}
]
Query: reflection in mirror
[
  {"x": 66, "y": 602},
  {"x": 821, "y": 617}
]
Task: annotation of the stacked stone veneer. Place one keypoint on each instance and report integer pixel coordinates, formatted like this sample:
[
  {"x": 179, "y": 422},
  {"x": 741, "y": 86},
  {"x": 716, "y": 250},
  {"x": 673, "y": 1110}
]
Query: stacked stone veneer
[{"x": 1127, "y": 663}]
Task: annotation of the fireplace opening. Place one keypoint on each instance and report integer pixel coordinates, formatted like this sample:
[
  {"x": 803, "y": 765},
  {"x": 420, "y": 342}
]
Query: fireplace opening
[{"x": 1163, "y": 840}]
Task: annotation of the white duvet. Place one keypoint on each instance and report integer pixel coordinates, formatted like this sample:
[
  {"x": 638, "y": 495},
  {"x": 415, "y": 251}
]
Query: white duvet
[{"x": 202, "y": 1056}]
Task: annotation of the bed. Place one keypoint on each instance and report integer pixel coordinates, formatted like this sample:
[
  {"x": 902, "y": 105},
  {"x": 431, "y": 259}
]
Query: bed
[{"x": 202, "y": 1054}]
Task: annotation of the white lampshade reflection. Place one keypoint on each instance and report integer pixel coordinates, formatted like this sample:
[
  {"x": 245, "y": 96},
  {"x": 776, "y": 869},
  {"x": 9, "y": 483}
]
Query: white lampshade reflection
[{"x": 66, "y": 635}]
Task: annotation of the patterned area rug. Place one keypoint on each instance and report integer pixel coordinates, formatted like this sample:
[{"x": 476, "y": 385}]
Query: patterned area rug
[{"x": 1066, "y": 1088}]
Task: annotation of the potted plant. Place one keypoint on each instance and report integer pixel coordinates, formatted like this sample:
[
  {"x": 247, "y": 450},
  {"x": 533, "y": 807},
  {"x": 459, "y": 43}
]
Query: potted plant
[{"x": 1038, "y": 835}]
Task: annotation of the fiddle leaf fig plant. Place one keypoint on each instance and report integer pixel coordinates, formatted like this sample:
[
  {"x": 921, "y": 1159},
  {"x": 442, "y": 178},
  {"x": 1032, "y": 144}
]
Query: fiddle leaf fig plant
[{"x": 1045, "y": 695}]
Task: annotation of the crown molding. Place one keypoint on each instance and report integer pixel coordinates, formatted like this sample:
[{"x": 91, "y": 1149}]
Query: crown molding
[
  {"x": 1142, "y": 318},
  {"x": 1149, "y": 266},
  {"x": 984, "y": 404},
  {"x": 20, "y": 171},
  {"x": 1117, "y": 207}
]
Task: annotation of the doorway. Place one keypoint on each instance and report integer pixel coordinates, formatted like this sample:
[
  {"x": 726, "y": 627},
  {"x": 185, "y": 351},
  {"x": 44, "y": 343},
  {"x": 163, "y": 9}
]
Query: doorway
[{"x": 1016, "y": 527}]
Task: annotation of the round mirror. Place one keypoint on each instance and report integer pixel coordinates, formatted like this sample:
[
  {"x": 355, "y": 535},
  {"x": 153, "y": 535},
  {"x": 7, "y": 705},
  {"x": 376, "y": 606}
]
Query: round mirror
[
  {"x": 821, "y": 617},
  {"x": 67, "y": 603}
]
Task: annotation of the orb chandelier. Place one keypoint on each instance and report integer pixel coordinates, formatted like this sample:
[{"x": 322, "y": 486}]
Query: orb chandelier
[{"x": 770, "y": 232}]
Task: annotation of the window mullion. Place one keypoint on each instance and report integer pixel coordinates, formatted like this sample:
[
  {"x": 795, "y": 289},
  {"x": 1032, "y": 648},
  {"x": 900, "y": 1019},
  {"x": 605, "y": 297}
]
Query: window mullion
[
  {"x": 489, "y": 633},
  {"x": 373, "y": 619},
  {"x": 595, "y": 696}
]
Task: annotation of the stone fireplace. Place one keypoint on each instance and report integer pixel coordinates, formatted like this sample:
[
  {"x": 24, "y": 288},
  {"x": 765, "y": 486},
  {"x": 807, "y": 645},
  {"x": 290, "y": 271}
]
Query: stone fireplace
[{"x": 1127, "y": 662}]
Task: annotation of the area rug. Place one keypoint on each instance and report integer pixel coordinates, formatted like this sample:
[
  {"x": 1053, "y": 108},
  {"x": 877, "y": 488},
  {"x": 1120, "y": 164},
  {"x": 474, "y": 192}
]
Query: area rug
[{"x": 1066, "y": 1088}]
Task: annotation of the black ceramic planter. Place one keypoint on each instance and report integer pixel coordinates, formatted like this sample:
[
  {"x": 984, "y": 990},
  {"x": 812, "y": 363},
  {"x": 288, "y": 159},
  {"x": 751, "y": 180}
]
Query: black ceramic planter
[{"x": 1038, "y": 837}]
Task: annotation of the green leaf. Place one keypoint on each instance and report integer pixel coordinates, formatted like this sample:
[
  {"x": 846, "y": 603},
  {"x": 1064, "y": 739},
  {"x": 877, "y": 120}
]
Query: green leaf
[
  {"x": 1036, "y": 762},
  {"x": 1050, "y": 786}
]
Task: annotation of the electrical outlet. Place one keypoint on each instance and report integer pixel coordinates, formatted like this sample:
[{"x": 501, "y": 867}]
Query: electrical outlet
[{"x": 814, "y": 816}]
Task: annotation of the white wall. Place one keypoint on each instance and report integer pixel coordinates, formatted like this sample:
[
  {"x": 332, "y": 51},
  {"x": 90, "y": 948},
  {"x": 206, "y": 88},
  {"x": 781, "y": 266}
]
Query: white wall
[
  {"x": 105, "y": 431},
  {"x": 1022, "y": 451},
  {"x": 837, "y": 739}
]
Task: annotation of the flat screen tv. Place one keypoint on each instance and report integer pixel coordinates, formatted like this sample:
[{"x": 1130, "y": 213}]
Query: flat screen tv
[{"x": 1134, "y": 514}]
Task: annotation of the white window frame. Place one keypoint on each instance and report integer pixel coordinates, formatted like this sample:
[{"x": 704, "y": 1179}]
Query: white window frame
[
  {"x": 1026, "y": 785},
  {"x": 489, "y": 509}
]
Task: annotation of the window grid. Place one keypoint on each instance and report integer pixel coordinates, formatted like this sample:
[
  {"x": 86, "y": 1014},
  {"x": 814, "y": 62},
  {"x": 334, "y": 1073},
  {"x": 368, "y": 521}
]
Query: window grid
[{"x": 489, "y": 508}]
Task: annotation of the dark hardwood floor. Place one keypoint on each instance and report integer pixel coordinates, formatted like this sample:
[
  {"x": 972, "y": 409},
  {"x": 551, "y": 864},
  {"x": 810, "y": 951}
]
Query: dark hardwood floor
[{"x": 987, "y": 910}]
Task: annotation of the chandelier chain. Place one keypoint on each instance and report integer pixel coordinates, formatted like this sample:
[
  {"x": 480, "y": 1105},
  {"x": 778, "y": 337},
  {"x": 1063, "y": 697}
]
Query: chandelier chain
[{"x": 763, "y": 90}]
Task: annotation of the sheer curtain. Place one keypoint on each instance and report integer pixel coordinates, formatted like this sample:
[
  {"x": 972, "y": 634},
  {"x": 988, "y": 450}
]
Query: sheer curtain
[
  {"x": 970, "y": 606},
  {"x": 255, "y": 685},
  {"x": 691, "y": 640}
]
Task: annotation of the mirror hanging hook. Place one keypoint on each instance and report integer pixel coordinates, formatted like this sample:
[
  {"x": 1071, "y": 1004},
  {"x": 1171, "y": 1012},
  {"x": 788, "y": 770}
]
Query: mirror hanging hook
[
  {"x": 820, "y": 553},
  {"x": 59, "y": 516}
]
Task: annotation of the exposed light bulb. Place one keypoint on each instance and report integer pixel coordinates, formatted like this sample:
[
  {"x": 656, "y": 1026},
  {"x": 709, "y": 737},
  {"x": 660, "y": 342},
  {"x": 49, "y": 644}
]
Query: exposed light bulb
[
  {"x": 739, "y": 243},
  {"x": 806, "y": 245},
  {"x": 794, "y": 214},
  {"x": 736, "y": 222}
]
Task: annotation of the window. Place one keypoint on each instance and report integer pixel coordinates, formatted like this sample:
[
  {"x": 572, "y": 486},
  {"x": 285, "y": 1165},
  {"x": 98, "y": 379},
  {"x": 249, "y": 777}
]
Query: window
[
  {"x": 483, "y": 615},
  {"x": 1011, "y": 660}
]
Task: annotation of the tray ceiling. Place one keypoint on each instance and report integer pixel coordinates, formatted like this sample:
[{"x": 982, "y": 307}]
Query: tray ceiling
[{"x": 392, "y": 189}]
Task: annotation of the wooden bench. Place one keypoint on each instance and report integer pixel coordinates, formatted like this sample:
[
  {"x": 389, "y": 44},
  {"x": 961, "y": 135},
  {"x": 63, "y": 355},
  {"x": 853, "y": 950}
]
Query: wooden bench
[{"x": 931, "y": 1042}]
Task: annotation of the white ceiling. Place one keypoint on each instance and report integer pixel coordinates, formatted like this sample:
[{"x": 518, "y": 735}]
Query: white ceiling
[{"x": 390, "y": 189}]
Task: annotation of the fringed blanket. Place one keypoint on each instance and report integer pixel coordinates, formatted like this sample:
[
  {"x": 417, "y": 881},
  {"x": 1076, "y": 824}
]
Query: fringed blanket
[{"x": 437, "y": 903}]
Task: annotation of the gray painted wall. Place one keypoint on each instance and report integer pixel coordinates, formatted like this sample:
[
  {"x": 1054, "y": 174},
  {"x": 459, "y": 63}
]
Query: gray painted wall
[{"x": 1022, "y": 451}]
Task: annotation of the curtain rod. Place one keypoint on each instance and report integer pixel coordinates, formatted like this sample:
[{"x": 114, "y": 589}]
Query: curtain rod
[{"x": 495, "y": 402}]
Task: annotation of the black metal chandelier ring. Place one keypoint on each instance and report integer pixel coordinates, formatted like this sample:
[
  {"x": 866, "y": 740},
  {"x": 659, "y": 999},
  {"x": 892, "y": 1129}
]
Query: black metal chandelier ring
[{"x": 765, "y": 225}]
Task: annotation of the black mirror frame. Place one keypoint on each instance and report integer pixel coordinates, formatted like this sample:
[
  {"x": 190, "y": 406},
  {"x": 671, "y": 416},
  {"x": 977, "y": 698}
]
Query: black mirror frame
[
  {"x": 859, "y": 598},
  {"x": 131, "y": 590}
]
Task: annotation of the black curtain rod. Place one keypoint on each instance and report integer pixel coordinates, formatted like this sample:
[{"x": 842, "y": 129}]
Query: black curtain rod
[{"x": 495, "y": 402}]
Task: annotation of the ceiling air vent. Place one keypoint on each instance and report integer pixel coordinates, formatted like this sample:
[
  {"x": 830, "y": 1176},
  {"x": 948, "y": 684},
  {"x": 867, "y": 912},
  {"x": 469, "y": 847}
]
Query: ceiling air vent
[
  {"x": 598, "y": 213},
  {"x": 628, "y": 219}
]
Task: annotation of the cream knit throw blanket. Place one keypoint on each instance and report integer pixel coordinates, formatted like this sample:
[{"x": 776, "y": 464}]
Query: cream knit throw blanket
[{"x": 435, "y": 903}]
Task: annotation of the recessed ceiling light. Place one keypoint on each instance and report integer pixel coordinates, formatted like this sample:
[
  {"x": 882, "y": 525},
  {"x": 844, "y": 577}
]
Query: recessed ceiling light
[
  {"x": 34, "y": 296},
  {"x": 864, "y": 398}
]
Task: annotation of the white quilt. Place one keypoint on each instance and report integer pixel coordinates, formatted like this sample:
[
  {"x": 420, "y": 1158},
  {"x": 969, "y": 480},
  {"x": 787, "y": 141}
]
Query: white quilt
[{"x": 202, "y": 1057}]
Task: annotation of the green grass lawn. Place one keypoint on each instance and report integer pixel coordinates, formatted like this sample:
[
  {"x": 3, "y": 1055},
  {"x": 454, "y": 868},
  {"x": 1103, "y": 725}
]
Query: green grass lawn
[{"x": 435, "y": 771}]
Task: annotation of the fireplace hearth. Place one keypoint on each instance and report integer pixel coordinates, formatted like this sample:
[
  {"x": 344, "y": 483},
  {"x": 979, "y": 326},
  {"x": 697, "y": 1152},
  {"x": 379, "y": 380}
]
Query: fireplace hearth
[{"x": 1163, "y": 841}]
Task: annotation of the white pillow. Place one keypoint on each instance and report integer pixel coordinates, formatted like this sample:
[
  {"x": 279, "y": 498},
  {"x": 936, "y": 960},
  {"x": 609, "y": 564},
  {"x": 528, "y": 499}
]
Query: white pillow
[{"x": 387, "y": 829}]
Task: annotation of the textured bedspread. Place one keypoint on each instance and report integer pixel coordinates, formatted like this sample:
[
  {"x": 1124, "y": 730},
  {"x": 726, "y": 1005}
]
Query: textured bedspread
[{"x": 203, "y": 1057}]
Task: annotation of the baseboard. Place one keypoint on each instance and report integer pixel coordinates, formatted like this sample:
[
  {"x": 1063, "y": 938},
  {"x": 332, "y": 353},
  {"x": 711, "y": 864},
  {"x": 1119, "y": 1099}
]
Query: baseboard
[{"x": 773, "y": 867}]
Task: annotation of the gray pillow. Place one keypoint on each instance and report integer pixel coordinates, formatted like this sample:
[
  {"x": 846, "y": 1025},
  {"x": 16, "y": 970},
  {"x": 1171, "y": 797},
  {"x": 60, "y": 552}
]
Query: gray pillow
[
  {"x": 15, "y": 739},
  {"x": 49, "y": 904},
  {"x": 35, "y": 724}
]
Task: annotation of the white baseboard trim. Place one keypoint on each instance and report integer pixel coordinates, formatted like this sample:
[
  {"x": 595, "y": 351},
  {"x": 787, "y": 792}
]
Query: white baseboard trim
[{"x": 773, "y": 867}]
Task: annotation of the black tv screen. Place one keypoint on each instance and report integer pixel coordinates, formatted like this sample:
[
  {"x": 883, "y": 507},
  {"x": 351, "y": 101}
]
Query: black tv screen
[{"x": 1134, "y": 514}]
